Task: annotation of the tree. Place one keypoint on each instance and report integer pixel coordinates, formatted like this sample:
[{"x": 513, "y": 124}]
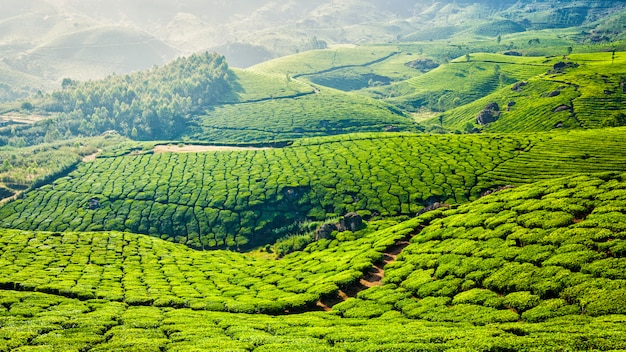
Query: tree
[
  {"x": 27, "y": 106},
  {"x": 68, "y": 83}
]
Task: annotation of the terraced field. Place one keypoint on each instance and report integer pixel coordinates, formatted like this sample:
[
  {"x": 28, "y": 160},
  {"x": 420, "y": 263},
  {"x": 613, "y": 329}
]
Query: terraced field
[
  {"x": 35, "y": 321},
  {"x": 139, "y": 270},
  {"x": 290, "y": 117},
  {"x": 316, "y": 61},
  {"x": 238, "y": 199},
  {"x": 462, "y": 81},
  {"x": 226, "y": 229},
  {"x": 588, "y": 94}
]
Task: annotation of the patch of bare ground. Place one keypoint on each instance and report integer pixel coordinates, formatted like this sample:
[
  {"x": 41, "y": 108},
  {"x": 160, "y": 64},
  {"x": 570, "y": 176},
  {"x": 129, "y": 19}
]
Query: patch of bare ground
[
  {"x": 22, "y": 118},
  {"x": 91, "y": 157},
  {"x": 373, "y": 277},
  {"x": 199, "y": 148}
]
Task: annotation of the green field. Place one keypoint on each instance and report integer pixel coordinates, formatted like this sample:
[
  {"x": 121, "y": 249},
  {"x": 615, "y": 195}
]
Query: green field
[
  {"x": 139, "y": 270},
  {"x": 280, "y": 118},
  {"x": 533, "y": 253}
]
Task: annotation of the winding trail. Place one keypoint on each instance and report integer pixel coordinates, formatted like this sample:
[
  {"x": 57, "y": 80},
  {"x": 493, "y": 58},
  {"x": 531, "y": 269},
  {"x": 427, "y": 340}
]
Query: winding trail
[
  {"x": 374, "y": 276},
  {"x": 336, "y": 68}
]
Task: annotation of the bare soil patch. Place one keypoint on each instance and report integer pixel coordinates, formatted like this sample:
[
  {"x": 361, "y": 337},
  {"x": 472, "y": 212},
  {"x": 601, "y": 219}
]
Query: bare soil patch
[
  {"x": 199, "y": 148},
  {"x": 22, "y": 118},
  {"x": 91, "y": 157}
]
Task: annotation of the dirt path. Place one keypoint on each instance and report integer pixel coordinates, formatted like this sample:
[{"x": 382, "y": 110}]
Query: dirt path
[
  {"x": 199, "y": 148},
  {"x": 374, "y": 277}
]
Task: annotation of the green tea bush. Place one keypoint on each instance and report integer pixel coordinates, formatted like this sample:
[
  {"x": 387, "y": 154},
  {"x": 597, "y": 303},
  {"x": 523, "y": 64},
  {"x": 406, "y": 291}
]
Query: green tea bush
[
  {"x": 521, "y": 301},
  {"x": 457, "y": 270},
  {"x": 549, "y": 309}
]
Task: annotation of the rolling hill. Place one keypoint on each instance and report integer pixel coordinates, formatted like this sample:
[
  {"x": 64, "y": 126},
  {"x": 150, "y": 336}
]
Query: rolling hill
[
  {"x": 413, "y": 176},
  {"x": 42, "y": 38},
  {"x": 240, "y": 199},
  {"x": 538, "y": 267},
  {"x": 586, "y": 93}
]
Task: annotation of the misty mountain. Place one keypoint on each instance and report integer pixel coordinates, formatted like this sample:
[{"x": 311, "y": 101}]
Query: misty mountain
[{"x": 55, "y": 39}]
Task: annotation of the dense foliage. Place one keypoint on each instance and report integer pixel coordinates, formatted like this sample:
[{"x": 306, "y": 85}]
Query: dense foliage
[
  {"x": 139, "y": 270},
  {"x": 36, "y": 321},
  {"x": 288, "y": 118},
  {"x": 30, "y": 167},
  {"x": 154, "y": 104},
  {"x": 588, "y": 92},
  {"x": 518, "y": 244},
  {"x": 537, "y": 267}
]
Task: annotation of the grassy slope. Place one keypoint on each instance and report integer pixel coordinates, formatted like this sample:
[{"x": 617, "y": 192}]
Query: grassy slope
[
  {"x": 232, "y": 198},
  {"x": 311, "y": 62},
  {"x": 592, "y": 91},
  {"x": 289, "y": 117},
  {"x": 238, "y": 199},
  {"x": 462, "y": 81},
  {"x": 269, "y": 104}
]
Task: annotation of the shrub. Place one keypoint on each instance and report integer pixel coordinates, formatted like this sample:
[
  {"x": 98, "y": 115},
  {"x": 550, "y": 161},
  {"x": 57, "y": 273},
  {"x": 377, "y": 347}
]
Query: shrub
[
  {"x": 521, "y": 301},
  {"x": 477, "y": 296},
  {"x": 548, "y": 309}
]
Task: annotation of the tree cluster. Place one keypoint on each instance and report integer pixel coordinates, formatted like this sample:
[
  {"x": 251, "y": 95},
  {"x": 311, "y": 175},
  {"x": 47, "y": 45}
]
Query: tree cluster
[{"x": 154, "y": 104}]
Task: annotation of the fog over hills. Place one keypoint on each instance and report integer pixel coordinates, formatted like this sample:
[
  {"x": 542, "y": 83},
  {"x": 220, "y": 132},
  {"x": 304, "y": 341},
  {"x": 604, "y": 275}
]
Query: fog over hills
[{"x": 54, "y": 39}]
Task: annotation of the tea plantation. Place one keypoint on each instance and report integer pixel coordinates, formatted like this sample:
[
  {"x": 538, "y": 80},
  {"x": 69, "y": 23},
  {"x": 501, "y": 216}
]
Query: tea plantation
[
  {"x": 587, "y": 93},
  {"x": 199, "y": 207},
  {"x": 239, "y": 199},
  {"x": 538, "y": 267},
  {"x": 536, "y": 252}
]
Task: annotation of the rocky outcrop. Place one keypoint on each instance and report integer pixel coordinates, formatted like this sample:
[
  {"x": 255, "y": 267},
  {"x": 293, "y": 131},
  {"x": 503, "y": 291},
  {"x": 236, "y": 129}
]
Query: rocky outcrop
[
  {"x": 324, "y": 231},
  {"x": 561, "y": 66},
  {"x": 554, "y": 93},
  {"x": 517, "y": 87},
  {"x": 510, "y": 105},
  {"x": 492, "y": 191},
  {"x": 349, "y": 222},
  {"x": 490, "y": 113},
  {"x": 432, "y": 207},
  {"x": 562, "y": 108},
  {"x": 423, "y": 65}
]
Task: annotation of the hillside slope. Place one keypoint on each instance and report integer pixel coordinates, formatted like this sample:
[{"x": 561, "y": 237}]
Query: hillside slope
[
  {"x": 538, "y": 267},
  {"x": 587, "y": 92},
  {"x": 536, "y": 252},
  {"x": 244, "y": 199}
]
